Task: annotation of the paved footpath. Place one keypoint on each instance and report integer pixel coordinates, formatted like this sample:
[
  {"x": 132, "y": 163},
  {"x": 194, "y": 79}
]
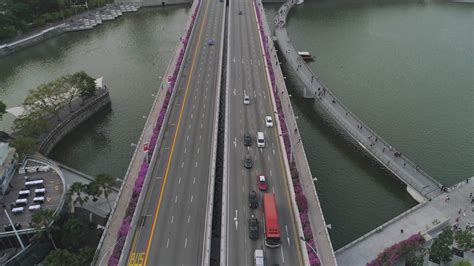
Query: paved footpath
[
  {"x": 427, "y": 218},
  {"x": 109, "y": 238},
  {"x": 420, "y": 185}
]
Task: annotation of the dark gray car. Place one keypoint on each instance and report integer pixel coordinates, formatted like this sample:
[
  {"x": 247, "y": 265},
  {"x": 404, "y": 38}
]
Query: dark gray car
[
  {"x": 253, "y": 228},
  {"x": 248, "y": 163},
  {"x": 247, "y": 139}
]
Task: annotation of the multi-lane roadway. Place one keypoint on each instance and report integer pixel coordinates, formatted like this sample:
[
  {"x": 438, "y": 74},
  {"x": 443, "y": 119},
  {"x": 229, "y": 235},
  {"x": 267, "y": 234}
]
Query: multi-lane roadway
[
  {"x": 247, "y": 76},
  {"x": 172, "y": 225}
]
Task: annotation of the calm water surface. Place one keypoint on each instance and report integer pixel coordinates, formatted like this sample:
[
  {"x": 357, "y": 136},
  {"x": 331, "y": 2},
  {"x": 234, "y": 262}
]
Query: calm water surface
[
  {"x": 406, "y": 69},
  {"x": 131, "y": 53}
]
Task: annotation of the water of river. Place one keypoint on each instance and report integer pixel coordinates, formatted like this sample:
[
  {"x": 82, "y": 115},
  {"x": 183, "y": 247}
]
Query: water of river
[
  {"x": 405, "y": 68},
  {"x": 131, "y": 53}
]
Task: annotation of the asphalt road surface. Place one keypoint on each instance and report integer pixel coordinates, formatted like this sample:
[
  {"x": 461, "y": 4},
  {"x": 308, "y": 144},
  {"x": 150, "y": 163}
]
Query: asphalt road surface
[
  {"x": 248, "y": 77},
  {"x": 172, "y": 223}
]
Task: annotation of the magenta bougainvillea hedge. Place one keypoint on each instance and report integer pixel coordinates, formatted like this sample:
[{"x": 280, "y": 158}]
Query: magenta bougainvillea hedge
[
  {"x": 300, "y": 199},
  {"x": 391, "y": 254},
  {"x": 125, "y": 228}
]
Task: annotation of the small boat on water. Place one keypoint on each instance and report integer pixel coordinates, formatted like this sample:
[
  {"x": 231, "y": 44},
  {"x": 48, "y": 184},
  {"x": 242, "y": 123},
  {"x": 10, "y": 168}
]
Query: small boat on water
[{"x": 306, "y": 56}]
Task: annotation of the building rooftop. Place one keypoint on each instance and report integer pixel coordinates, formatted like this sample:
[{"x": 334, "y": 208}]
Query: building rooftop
[{"x": 52, "y": 183}]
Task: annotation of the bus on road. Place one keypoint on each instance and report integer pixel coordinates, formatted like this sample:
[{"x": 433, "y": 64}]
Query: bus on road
[{"x": 272, "y": 233}]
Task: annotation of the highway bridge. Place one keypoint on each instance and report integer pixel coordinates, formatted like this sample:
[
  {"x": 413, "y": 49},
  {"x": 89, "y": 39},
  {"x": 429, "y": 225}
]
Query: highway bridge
[{"x": 171, "y": 222}]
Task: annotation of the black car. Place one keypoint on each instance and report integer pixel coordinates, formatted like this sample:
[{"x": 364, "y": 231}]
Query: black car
[
  {"x": 253, "y": 200},
  {"x": 253, "y": 228},
  {"x": 247, "y": 139},
  {"x": 248, "y": 163}
]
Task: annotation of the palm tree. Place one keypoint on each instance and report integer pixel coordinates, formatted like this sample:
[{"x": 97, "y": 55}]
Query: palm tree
[
  {"x": 43, "y": 220},
  {"x": 77, "y": 189},
  {"x": 105, "y": 181}
]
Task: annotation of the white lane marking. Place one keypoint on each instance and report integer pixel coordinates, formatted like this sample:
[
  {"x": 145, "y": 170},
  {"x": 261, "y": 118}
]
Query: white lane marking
[
  {"x": 186, "y": 244},
  {"x": 176, "y": 199},
  {"x": 191, "y": 115},
  {"x": 199, "y": 137},
  {"x": 182, "y": 164},
  {"x": 234, "y": 60},
  {"x": 187, "y": 138},
  {"x": 172, "y": 219},
  {"x": 167, "y": 243},
  {"x": 269, "y": 157},
  {"x": 234, "y": 92},
  {"x": 189, "y": 218},
  {"x": 179, "y": 181},
  {"x": 198, "y": 151},
  {"x": 235, "y": 142},
  {"x": 185, "y": 150},
  {"x": 287, "y": 236},
  {"x": 192, "y": 197},
  {"x": 282, "y": 256},
  {"x": 189, "y": 125},
  {"x": 273, "y": 151},
  {"x": 273, "y": 189},
  {"x": 193, "y": 106},
  {"x": 235, "y": 219},
  {"x": 194, "y": 180},
  {"x": 201, "y": 125},
  {"x": 196, "y": 165},
  {"x": 270, "y": 172}
]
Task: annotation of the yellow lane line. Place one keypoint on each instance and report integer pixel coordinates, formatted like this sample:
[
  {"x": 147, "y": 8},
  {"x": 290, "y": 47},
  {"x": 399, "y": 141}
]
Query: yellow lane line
[
  {"x": 175, "y": 135},
  {"x": 288, "y": 196}
]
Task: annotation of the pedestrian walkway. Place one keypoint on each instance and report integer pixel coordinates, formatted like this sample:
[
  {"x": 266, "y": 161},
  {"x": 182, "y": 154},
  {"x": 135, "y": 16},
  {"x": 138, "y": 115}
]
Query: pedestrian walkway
[
  {"x": 420, "y": 185},
  {"x": 452, "y": 208}
]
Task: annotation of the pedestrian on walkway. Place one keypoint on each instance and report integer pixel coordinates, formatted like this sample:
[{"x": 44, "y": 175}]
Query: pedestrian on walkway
[
  {"x": 401, "y": 231},
  {"x": 383, "y": 149},
  {"x": 470, "y": 195}
]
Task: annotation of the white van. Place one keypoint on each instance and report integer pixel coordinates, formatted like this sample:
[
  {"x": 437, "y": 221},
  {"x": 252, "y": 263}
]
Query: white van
[
  {"x": 260, "y": 140},
  {"x": 258, "y": 256}
]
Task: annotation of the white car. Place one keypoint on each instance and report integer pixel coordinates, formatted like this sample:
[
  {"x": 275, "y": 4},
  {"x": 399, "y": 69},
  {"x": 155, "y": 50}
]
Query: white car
[
  {"x": 246, "y": 100},
  {"x": 268, "y": 121}
]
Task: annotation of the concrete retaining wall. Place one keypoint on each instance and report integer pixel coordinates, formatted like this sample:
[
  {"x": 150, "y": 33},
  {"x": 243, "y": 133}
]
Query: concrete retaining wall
[{"x": 69, "y": 123}]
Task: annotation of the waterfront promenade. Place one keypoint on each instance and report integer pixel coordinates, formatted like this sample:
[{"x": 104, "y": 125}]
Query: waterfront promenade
[
  {"x": 427, "y": 218},
  {"x": 420, "y": 185}
]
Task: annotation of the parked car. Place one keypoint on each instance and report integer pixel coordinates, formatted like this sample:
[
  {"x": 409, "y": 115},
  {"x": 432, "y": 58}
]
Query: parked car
[
  {"x": 253, "y": 228},
  {"x": 253, "y": 200},
  {"x": 268, "y": 121},
  {"x": 210, "y": 42},
  {"x": 262, "y": 183},
  {"x": 247, "y": 139},
  {"x": 248, "y": 163}
]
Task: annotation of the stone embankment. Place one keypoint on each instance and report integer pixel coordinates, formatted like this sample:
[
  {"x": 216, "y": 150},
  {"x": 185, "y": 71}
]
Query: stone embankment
[
  {"x": 71, "y": 120},
  {"x": 82, "y": 21}
]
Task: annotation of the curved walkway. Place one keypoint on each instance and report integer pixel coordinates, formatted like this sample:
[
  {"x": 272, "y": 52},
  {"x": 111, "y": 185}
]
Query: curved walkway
[{"x": 419, "y": 184}]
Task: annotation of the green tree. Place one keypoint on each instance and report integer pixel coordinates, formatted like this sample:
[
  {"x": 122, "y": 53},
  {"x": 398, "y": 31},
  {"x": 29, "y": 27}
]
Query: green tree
[
  {"x": 441, "y": 247},
  {"x": 60, "y": 257},
  {"x": 464, "y": 240},
  {"x": 25, "y": 146},
  {"x": 73, "y": 233},
  {"x": 43, "y": 221},
  {"x": 70, "y": 89},
  {"x": 46, "y": 99},
  {"x": 77, "y": 190},
  {"x": 85, "y": 256},
  {"x": 3, "y": 109},
  {"x": 85, "y": 84},
  {"x": 416, "y": 257},
  {"x": 105, "y": 183},
  {"x": 30, "y": 125},
  {"x": 93, "y": 189}
]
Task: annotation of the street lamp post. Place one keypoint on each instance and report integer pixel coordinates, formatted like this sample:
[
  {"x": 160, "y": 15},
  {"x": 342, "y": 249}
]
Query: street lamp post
[{"x": 306, "y": 242}]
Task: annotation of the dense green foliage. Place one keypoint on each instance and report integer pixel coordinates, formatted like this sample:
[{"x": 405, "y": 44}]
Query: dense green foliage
[
  {"x": 3, "y": 109},
  {"x": 23, "y": 15},
  {"x": 441, "y": 248},
  {"x": 64, "y": 257},
  {"x": 464, "y": 239}
]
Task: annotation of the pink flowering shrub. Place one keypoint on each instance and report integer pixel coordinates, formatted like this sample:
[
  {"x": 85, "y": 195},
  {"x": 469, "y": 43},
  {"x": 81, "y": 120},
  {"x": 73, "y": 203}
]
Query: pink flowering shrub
[
  {"x": 300, "y": 198},
  {"x": 391, "y": 254}
]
